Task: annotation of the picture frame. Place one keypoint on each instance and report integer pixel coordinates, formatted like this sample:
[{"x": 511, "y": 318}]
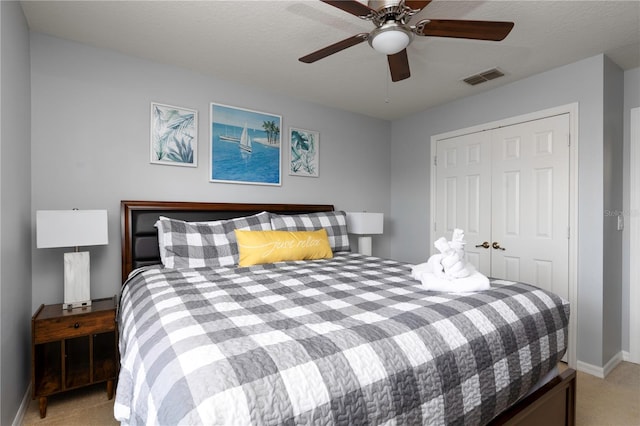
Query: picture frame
[
  {"x": 245, "y": 146},
  {"x": 173, "y": 135},
  {"x": 304, "y": 152}
]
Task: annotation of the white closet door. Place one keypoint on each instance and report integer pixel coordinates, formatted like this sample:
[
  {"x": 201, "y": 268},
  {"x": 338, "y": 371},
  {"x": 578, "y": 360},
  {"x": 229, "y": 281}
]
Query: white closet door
[
  {"x": 509, "y": 187},
  {"x": 463, "y": 176},
  {"x": 530, "y": 203}
]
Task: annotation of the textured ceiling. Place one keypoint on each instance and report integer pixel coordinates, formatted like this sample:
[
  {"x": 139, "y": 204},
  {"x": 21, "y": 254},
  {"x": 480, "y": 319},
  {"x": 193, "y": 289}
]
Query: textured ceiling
[{"x": 258, "y": 43}]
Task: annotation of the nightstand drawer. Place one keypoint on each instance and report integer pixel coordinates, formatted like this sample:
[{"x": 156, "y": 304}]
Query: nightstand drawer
[{"x": 73, "y": 326}]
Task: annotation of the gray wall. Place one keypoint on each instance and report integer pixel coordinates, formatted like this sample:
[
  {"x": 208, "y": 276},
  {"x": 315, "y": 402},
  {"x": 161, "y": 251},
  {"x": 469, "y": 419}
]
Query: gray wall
[
  {"x": 90, "y": 149},
  {"x": 581, "y": 82},
  {"x": 631, "y": 100},
  {"x": 15, "y": 202},
  {"x": 612, "y": 241}
]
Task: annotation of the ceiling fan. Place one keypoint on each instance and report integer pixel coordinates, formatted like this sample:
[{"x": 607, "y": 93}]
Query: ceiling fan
[{"x": 393, "y": 34}]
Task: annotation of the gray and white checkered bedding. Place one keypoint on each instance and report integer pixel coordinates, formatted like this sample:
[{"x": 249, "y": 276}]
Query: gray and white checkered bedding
[{"x": 348, "y": 340}]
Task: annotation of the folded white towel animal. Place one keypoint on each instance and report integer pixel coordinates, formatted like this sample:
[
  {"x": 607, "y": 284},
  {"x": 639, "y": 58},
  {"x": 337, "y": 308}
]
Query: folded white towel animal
[
  {"x": 449, "y": 271},
  {"x": 474, "y": 282},
  {"x": 451, "y": 263}
]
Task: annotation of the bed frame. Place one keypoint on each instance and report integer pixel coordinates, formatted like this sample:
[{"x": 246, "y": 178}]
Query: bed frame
[{"x": 552, "y": 404}]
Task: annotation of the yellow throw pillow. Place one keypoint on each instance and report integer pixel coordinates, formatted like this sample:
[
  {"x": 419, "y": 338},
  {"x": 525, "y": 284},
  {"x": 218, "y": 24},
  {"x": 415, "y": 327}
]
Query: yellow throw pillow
[{"x": 257, "y": 247}]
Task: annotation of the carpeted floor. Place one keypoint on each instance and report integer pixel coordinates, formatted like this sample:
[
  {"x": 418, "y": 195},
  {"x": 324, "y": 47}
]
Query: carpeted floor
[
  {"x": 614, "y": 401},
  {"x": 81, "y": 407}
]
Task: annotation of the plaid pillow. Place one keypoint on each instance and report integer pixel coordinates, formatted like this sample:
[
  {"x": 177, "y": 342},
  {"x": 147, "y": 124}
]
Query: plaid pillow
[
  {"x": 334, "y": 222},
  {"x": 210, "y": 244}
]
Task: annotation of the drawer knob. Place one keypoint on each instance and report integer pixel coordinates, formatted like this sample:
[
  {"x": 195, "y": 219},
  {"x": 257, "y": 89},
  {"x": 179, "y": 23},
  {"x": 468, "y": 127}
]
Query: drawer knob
[{"x": 76, "y": 325}]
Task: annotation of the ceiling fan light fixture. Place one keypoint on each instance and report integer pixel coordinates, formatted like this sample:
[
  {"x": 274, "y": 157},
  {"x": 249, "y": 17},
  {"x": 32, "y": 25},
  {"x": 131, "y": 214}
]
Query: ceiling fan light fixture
[{"x": 390, "y": 38}]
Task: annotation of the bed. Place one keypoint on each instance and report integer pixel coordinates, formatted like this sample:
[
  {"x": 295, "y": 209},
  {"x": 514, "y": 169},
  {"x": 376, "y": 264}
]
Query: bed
[{"x": 348, "y": 339}]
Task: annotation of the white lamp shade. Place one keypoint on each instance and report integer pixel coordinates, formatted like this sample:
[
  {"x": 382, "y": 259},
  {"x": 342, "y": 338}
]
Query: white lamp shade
[
  {"x": 365, "y": 223},
  {"x": 390, "y": 42},
  {"x": 71, "y": 228}
]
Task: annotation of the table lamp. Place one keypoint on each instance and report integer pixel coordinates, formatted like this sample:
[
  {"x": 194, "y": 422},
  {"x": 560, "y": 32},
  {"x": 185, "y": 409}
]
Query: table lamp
[
  {"x": 73, "y": 228},
  {"x": 364, "y": 224}
]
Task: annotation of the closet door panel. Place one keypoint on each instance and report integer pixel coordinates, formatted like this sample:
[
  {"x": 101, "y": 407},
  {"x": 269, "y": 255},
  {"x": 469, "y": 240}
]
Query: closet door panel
[
  {"x": 530, "y": 203},
  {"x": 463, "y": 180}
]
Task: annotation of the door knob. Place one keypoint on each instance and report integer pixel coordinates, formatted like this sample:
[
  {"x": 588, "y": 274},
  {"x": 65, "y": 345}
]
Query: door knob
[
  {"x": 496, "y": 245},
  {"x": 484, "y": 245}
]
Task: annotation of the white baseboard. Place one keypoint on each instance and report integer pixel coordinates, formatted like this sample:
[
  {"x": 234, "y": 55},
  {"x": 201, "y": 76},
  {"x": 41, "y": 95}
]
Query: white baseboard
[
  {"x": 590, "y": 369},
  {"x": 601, "y": 372},
  {"x": 24, "y": 405},
  {"x": 626, "y": 356}
]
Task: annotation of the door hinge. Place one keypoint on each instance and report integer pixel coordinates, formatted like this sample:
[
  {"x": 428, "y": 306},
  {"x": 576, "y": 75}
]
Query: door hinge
[
  {"x": 435, "y": 160},
  {"x": 569, "y": 140},
  {"x": 568, "y": 232}
]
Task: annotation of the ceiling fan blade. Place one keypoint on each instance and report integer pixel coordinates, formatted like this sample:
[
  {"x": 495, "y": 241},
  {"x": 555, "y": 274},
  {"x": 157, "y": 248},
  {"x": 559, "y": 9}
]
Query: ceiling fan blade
[
  {"x": 417, "y": 4},
  {"x": 399, "y": 66},
  {"x": 476, "y": 30},
  {"x": 351, "y": 6},
  {"x": 334, "y": 48}
]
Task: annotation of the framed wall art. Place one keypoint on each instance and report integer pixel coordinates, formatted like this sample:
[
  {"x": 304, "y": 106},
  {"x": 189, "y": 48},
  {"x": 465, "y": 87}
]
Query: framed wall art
[
  {"x": 245, "y": 146},
  {"x": 304, "y": 155},
  {"x": 174, "y": 135}
]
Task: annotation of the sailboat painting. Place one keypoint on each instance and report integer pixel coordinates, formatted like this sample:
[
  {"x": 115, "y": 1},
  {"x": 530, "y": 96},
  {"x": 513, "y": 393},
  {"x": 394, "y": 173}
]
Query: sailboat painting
[
  {"x": 174, "y": 135},
  {"x": 245, "y": 146}
]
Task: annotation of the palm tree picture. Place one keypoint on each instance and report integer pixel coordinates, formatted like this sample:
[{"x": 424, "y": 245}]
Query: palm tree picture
[
  {"x": 174, "y": 135},
  {"x": 304, "y": 152}
]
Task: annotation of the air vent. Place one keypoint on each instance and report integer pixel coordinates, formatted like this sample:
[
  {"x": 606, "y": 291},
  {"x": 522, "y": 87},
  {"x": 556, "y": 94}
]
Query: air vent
[{"x": 483, "y": 76}]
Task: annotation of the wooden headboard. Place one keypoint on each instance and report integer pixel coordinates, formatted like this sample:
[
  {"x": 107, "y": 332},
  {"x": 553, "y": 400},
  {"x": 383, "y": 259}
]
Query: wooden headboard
[{"x": 140, "y": 238}]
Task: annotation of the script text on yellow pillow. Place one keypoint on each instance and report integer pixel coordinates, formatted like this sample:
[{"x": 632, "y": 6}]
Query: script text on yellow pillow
[{"x": 257, "y": 247}]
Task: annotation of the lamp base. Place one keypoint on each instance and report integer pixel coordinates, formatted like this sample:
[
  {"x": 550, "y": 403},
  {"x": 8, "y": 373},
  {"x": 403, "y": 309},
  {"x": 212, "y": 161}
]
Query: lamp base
[
  {"x": 77, "y": 288},
  {"x": 364, "y": 245}
]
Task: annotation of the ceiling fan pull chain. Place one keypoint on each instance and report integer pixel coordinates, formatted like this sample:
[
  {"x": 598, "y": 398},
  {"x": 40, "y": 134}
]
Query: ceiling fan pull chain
[{"x": 387, "y": 77}]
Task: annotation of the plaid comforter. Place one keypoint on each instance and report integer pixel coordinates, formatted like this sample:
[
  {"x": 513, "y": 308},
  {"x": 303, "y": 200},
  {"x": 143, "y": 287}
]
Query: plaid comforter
[{"x": 348, "y": 340}]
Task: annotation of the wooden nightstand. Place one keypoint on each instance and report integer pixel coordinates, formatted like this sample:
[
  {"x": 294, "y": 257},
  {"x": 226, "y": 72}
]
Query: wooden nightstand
[{"x": 73, "y": 348}]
